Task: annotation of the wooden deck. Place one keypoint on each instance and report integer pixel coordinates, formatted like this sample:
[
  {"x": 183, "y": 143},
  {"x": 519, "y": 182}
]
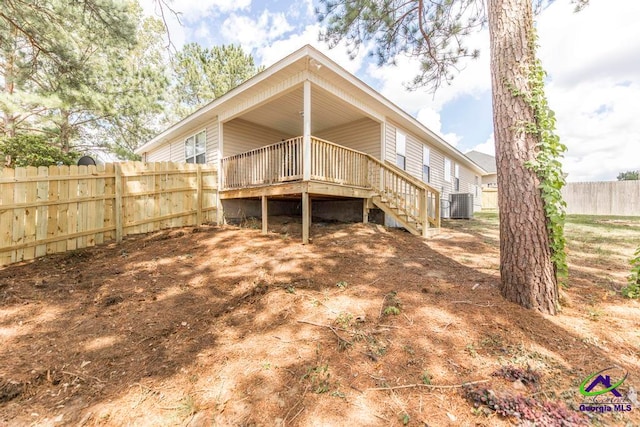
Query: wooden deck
[{"x": 328, "y": 169}]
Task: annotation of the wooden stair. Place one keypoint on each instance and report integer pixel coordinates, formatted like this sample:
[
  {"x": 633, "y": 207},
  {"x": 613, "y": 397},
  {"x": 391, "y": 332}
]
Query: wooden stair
[{"x": 407, "y": 221}]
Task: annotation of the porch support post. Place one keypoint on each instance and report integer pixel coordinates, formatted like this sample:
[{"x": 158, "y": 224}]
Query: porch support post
[
  {"x": 424, "y": 218},
  {"x": 306, "y": 216},
  {"x": 365, "y": 211},
  {"x": 221, "y": 177},
  {"x": 306, "y": 129},
  {"x": 265, "y": 215}
]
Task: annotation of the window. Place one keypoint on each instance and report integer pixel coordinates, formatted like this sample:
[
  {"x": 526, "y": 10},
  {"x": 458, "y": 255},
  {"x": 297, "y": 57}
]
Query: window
[
  {"x": 195, "y": 147},
  {"x": 447, "y": 170},
  {"x": 456, "y": 175},
  {"x": 426, "y": 164},
  {"x": 477, "y": 184},
  {"x": 401, "y": 150}
]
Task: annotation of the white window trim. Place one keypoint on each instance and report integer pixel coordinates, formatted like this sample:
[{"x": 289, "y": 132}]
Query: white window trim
[
  {"x": 401, "y": 148},
  {"x": 426, "y": 161},
  {"x": 447, "y": 169},
  {"x": 195, "y": 153}
]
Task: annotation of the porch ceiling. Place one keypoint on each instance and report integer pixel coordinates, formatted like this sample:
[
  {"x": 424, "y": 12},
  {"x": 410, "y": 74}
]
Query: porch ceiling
[{"x": 285, "y": 112}]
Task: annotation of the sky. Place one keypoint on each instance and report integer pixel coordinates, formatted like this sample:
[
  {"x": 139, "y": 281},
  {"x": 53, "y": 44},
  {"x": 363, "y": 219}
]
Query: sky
[{"x": 592, "y": 59}]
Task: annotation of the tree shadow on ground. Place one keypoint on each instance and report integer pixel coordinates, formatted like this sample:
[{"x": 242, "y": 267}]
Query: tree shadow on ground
[{"x": 225, "y": 324}]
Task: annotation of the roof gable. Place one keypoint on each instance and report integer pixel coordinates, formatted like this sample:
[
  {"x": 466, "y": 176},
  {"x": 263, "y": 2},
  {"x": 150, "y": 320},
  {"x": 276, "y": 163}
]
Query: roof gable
[
  {"x": 485, "y": 161},
  {"x": 317, "y": 65}
]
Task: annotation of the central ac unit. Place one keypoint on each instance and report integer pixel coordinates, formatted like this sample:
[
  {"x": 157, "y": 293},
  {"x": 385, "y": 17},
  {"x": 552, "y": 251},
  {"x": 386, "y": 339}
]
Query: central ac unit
[{"x": 461, "y": 206}]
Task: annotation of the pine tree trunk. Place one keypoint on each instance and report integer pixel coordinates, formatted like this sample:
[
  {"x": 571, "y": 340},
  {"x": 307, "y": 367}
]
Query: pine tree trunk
[{"x": 527, "y": 272}]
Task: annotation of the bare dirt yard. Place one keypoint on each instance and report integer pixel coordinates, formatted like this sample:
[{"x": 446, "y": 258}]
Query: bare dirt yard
[{"x": 365, "y": 326}]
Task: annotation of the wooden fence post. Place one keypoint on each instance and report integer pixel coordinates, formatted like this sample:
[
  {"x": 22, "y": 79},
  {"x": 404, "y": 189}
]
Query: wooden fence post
[
  {"x": 198, "y": 195},
  {"x": 118, "y": 214}
]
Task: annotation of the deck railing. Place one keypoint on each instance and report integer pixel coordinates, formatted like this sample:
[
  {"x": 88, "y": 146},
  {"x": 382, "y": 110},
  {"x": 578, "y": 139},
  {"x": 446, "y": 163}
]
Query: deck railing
[
  {"x": 275, "y": 163},
  {"x": 334, "y": 163},
  {"x": 283, "y": 162},
  {"x": 412, "y": 197}
]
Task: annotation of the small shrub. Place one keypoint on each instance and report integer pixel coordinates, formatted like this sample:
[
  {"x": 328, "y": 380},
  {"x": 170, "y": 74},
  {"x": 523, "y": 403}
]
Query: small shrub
[
  {"x": 513, "y": 373},
  {"x": 393, "y": 304},
  {"x": 344, "y": 320},
  {"x": 527, "y": 410},
  {"x": 632, "y": 290},
  {"x": 392, "y": 310},
  {"x": 318, "y": 376}
]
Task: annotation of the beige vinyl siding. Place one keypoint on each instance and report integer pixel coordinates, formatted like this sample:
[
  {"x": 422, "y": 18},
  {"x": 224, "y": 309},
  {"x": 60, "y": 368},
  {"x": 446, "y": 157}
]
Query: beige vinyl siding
[
  {"x": 362, "y": 135},
  {"x": 264, "y": 92},
  {"x": 169, "y": 152},
  {"x": 174, "y": 151},
  {"x": 414, "y": 157},
  {"x": 240, "y": 136},
  {"x": 467, "y": 185},
  {"x": 212, "y": 142},
  {"x": 390, "y": 143},
  {"x": 437, "y": 172},
  {"x": 159, "y": 154}
]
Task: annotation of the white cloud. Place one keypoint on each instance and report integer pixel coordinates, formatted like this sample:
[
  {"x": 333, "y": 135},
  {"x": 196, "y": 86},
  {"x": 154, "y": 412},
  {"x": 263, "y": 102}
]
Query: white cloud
[
  {"x": 473, "y": 79},
  {"x": 431, "y": 119},
  {"x": 191, "y": 18},
  {"x": 591, "y": 57},
  {"x": 487, "y": 147},
  {"x": 594, "y": 85},
  {"x": 598, "y": 121},
  {"x": 273, "y": 52},
  {"x": 255, "y": 33},
  {"x": 194, "y": 10}
]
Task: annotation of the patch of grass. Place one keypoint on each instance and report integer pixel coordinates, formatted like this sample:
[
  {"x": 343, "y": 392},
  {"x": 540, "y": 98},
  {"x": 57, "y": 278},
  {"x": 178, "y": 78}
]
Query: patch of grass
[
  {"x": 392, "y": 304},
  {"x": 522, "y": 356},
  {"x": 344, "y": 320},
  {"x": 391, "y": 310},
  {"x": 632, "y": 290},
  {"x": 319, "y": 377},
  {"x": 404, "y": 418},
  {"x": 492, "y": 341},
  {"x": 408, "y": 349},
  {"x": 426, "y": 378},
  {"x": 342, "y": 284},
  {"x": 470, "y": 348},
  {"x": 594, "y": 314},
  {"x": 188, "y": 406}
]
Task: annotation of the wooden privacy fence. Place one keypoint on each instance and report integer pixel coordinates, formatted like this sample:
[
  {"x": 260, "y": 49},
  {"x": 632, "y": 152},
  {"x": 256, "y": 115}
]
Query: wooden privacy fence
[
  {"x": 603, "y": 198},
  {"x": 54, "y": 209},
  {"x": 490, "y": 198}
]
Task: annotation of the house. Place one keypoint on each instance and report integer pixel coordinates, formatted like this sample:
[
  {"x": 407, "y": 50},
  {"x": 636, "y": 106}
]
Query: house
[
  {"x": 305, "y": 136},
  {"x": 488, "y": 163},
  {"x": 489, "y": 199}
]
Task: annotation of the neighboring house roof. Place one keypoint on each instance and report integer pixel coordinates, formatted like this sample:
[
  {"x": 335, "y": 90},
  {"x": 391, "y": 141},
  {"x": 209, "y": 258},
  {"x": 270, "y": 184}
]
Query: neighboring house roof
[
  {"x": 311, "y": 60},
  {"x": 485, "y": 161}
]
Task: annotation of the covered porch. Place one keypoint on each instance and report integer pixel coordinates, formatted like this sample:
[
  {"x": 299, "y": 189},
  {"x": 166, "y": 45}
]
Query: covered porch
[{"x": 312, "y": 167}]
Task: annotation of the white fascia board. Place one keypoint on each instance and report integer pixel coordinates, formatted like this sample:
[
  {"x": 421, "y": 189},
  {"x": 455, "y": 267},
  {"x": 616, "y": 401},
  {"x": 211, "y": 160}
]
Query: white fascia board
[{"x": 396, "y": 113}]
